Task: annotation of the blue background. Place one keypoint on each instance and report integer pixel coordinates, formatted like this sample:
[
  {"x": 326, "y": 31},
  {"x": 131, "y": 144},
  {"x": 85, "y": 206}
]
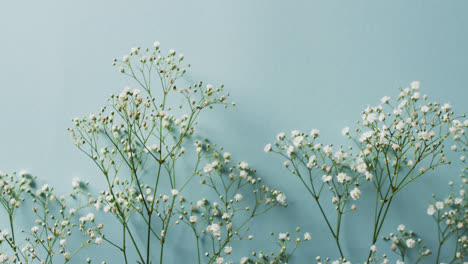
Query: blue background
[{"x": 288, "y": 65}]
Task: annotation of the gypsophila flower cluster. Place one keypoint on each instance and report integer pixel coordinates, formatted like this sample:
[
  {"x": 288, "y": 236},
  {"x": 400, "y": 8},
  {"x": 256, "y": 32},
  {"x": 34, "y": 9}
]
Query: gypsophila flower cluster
[
  {"x": 284, "y": 254},
  {"x": 224, "y": 220},
  {"x": 319, "y": 167},
  {"x": 58, "y": 231},
  {"x": 404, "y": 241},
  {"x": 397, "y": 142},
  {"x": 451, "y": 218},
  {"x": 400, "y": 140},
  {"x": 144, "y": 135},
  {"x": 139, "y": 129}
]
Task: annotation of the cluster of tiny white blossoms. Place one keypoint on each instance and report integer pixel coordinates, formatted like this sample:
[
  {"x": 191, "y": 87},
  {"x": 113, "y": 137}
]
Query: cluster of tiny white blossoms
[
  {"x": 55, "y": 222},
  {"x": 137, "y": 130},
  {"x": 327, "y": 260},
  {"x": 137, "y": 139},
  {"x": 451, "y": 214},
  {"x": 403, "y": 134},
  {"x": 400, "y": 140},
  {"x": 284, "y": 254},
  {"x": 404, "y": 241},
  {"x": 319, "y": 167},
  {"x": 451, "y": 218},
  {"x": 223, "y": 220}
]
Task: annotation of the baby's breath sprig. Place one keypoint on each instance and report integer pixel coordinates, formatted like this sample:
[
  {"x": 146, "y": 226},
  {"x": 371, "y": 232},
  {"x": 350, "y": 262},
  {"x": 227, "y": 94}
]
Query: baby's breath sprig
[
  {"x": 403, "y": 241},
  {"x": 55, "y": 222},
  {"x": 400, "y": 141},
  {"x": 283, "y": 256},
  {"x": 139, "y": 129},
  {"x": 451, "y": 214},
  {"x": 223, "y": 220},
  {"x": 319, "y": 168}
]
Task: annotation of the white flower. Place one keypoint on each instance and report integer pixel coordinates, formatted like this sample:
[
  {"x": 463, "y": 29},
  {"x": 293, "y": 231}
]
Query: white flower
[
  {"x": 361, "y": 166},
  {"x": 373, "y": 248},
  {"x": 45, "y": 187},
  {"x": 397, "y": 111},
  {"x": 200, "y": 203},
  {"x": 90, "y": 217},
  {"x": 67, "y": 256},
  {"x": 295, "y": 133},
  {"x": 368, "y": 176},
  {"x": 440, "y": 205},
  {"x": 281, "y": 198},
  {"x": 355, "y": 193},
  {"x": 267, "y": 148},
  {"x": 214, "y": 229},
  {"x": 401, "y": 228},
  {"x": 282, "y": 236},
  {"x": 415, "y": 85},
  {"x": 63, "y": 242},
  {"x": 98, "y": 205},
  {"x": 371, "y": 117},
  {"x": 156, "y": 44},
  {"x": 400, "y": 126},
  {"x": 307, "y": 236},
  {"x": 238, "y": 197},
  {"x": 34, "y": 229},
  {"x": 281, "y": 136},
  {"x": 174, "y": 192},
  {"x": 424, "y": 109},
  {"x": 410, "y": 243},
  {"x": 297, "y": 141},
  {"x": 335, "y": 200},
  {"x": 208, "y": 168},
  {"x": 243, "y": 174},
  {"x": 327, "y": 178},
  {"x": 315, "y": 133},
  {"x": 366, "y": 135},
  {"x": 446, "y": 107},
  {"x": 219, "y": 260},
  {"x": 4, "y": 233},
  {"x": 345, "y": 131},
  {"x": 289, "y": 150},
  {"x": 385, "y": 100},
  {"x": 424, "y": 135},
  {"x": 312, "y": 159},
  {"x": 342, "y": 177},
  {"x": 244, "y": 260},
  {"x": 193, "y": 219},
  {"x": 226, "y": 216},
  {"x": 172, "y": 52},
  {"x": 76, "y": 182},
  {"x": 228, "y": 250},
  {"x": 328, "y": 149},
  {"x": 431, "y": 210},
  {"x": 98, "y": 240},
  {"x": 227, "y": 155},
  {"x": 243, "y": 165}
]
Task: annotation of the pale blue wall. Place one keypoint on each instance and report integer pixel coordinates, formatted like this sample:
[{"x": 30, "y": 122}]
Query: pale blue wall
[{"x": 288, "y": 64}]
